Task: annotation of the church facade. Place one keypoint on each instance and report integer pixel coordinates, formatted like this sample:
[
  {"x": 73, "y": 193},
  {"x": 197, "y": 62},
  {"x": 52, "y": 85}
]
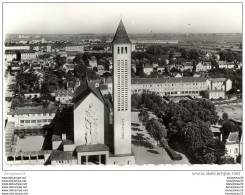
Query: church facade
[{"x": 84, "y": 134}]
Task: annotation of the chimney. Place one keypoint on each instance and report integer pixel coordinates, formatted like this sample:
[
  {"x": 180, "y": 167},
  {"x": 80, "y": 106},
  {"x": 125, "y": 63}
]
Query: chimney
[{"x": 63, "y": 136}]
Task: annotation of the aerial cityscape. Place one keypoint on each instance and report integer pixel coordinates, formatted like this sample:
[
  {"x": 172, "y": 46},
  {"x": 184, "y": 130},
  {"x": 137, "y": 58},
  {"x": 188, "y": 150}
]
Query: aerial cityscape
[{"x": 124, "y": 97}]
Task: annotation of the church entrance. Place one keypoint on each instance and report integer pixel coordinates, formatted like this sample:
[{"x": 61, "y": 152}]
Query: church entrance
[{"x": 93, "y": 159}]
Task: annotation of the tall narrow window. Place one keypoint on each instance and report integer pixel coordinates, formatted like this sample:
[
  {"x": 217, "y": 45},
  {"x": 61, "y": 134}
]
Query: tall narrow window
[
  {"x": 118, "y": 50},
  {"x": 126, "y": 50},
  {"x": 121, "y": 49}
]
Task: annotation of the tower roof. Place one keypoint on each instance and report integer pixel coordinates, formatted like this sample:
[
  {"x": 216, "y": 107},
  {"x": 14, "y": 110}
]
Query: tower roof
[{"x": 121, "y": 35}]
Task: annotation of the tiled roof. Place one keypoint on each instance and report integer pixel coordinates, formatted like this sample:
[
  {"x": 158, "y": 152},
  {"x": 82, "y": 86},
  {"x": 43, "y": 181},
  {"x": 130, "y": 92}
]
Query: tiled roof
[
  {"x": 121, "y": 35},
  {"x": 63, "y": 92},
  {"x": 101, "y": 67},
  {"x": 207, "y": 63},
  {"x": 218, "y": 79},
  {"x": 83, "y": 91},
  {"x": 10, "y": 52},
  {"x": 103, "y": 87},
  {"x": 233, "y": 137},
  {"x": 108, "y": 80},
  {"x": 167, "y": 80},
  {"x": 148, "y": 66},
  {"x": 60, "y": 155},
  {"x": 92, "y": 148}
]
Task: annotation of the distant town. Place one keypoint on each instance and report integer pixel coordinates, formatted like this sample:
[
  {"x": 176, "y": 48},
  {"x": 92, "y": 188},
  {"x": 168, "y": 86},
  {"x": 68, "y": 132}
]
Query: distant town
[{"x": 186, "y": 98}]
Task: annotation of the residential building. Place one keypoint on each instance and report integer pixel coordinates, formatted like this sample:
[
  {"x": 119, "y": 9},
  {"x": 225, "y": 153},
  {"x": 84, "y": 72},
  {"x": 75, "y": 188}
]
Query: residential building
[
  {"x": 20, "y": 47},
  {"x": 10, "y": 55},
  {"x": 28, "y": 55},
  {"x": 108, "y": 82},
  {"x": 208, "y": 65},
  {"x": 148, "y": 69},
  {"x": 219, "y": 84},
  {"x": 172, "y": 86},
  {"x": 101, "y": 69},
  {"x": 32, "y": 116},
  {"x": 68, "y": 67},
  {"x": 77, "y": 48},
  {"x": 64, "y": 96},
  {"x": 216, "y": 94},
  {"x": 233, "y": 145},
  {"x": 200, "y": 67}
]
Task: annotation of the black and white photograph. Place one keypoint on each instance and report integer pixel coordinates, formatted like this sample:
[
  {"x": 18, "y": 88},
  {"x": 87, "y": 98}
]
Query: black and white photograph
[{"x": 122, "y": 84}]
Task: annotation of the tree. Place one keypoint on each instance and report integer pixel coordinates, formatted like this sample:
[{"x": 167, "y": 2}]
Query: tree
[
  {"x": 197, "y": 135},
  {"x": 45, "y": 104},
  {"x": 15, "y": 103},
  {"x": 156, "y": 129},
  {"x": 226, "y": 160},
  {"x": 143, "y": 116},
  {"x": 225, "y": 116}
]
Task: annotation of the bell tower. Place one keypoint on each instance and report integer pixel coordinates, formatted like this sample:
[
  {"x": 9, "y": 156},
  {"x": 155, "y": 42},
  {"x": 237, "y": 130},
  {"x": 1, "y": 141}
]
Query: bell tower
[{"x": 121, "y": 48}]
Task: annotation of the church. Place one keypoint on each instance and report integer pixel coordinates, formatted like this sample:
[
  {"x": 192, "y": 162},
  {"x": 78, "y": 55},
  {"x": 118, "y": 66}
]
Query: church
[{"x": 88, "y": 133}]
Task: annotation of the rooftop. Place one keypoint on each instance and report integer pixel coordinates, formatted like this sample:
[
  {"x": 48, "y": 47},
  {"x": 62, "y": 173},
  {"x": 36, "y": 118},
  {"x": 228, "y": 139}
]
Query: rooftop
[
  {"x": 32, "y": 110},
  {"x": 60, "y": 155},
  {"x": 83, "y": 91},
  {"x": 167, "y": 80},
  {"x": 92, "y": 148},
  {"x": 121, "y": 35}
]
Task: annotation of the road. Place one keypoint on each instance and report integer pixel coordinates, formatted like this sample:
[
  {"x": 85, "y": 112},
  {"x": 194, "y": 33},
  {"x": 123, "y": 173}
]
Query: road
[{"x": 8, "y": 81}]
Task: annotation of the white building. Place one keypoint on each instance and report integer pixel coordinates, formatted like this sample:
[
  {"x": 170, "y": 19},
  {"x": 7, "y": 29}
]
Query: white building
[
  {"x": 31, "y": 116},
  {"x": 148, "y": 69},
  {"x": 219, "y": 84},
  {"x": 77, "y": 48},
  {"x": 122, "y": 95},
  {"x": 20, "y": 47},
  {"x": 10, "y": 55}
]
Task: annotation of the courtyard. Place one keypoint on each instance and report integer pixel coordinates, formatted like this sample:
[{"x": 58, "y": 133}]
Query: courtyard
[{"x": 145, "y": 148}]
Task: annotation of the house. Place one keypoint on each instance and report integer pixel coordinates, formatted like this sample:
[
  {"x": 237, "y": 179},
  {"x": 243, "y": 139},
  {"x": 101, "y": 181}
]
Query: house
[
  {"x": 200, "y": 67},
  {"x": 32, "y": 116},
  {"x": 15, "y": 67},
  {"x": 173, "y": 86},
  {"x": 216, "y": 94},
  {"x": 73, "y": 85},
  {"x": 10, "y": 55},
  {"x": 230, "y": 65},
  {"x": 216, "y": 56},
  {"x": 188, "y": 66},
  {"x": 148, "y": 69},
  {"x": 178, "y": 75},
  {"x": 222, "y": 64},
  {"x": 103, "y": 89},
  {"x": 208, "y": 65},
  {"x": 36, "y": 66},
  {"x": 219, "y": 84},
  {"x": 28, "y": 55},
  {"x": 101, "y": 69},
  {"x": 93, "y": 62},
  {"x": 133, "y": 65},
  {"x": 77, "y": 48},
  {"x": 108, "y": 82},
  {"x": 161, "y": 68},
  {"x": 64, "y": 96},
  {"x": 233, "y": 145},
  {"x": 155, "y": 65},
  {"x": 68, "y": 67}
]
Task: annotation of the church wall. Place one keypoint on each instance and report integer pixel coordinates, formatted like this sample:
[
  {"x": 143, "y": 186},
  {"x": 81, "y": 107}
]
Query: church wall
[{"x": 80, "y": 122}]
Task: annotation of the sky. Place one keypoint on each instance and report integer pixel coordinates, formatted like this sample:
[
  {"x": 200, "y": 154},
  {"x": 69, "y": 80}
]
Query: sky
[{"x": 77, "y": 18}]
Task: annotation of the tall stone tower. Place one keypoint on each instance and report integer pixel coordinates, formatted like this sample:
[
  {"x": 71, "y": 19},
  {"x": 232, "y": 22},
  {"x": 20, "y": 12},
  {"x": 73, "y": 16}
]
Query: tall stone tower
[{"x": 121, "y": 48}]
